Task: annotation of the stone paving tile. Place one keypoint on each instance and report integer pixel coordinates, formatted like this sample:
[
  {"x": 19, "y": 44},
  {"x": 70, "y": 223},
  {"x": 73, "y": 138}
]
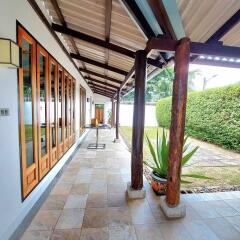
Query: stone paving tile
[
  {"x": 67, "y": 234},
  {"x": 223, "y": 229},
  {"x": 89, "y": 202},
  {"x": 45, "y": 220},
  {"x": 36, "y": 235},
  {"x": 70, "y": 218}
]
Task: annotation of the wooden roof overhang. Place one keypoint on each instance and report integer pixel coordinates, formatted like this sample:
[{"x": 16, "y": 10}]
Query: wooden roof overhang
[{"x": 102, "y": 36}]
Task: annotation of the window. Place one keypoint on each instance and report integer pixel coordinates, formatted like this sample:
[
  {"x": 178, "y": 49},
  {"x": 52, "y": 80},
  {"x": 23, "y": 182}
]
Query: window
[
  {"x": 28, "y": 118},
  {"x": 53, "y": 111},
  {"x": 82, "y": 109},
  {"x": 47, "y": 103}
]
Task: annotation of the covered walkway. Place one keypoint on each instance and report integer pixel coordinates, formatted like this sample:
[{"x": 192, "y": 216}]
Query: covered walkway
[{"x": 89, "y": 202}]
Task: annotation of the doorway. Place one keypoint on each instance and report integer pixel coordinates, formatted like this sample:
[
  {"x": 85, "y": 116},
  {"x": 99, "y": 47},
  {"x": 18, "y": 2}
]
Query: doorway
[{"x": 99, "y": 112}]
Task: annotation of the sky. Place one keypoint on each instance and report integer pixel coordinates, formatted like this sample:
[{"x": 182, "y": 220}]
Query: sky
[{"x": 217, "y": 76}]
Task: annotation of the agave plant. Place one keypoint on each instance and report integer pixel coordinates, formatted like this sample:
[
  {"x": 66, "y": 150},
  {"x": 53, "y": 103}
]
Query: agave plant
[{"x": 159, "y": 165}]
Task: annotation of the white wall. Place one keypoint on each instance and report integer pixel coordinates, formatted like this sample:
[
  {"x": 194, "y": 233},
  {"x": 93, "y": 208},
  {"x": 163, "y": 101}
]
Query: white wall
[
  {"x": 12, "y": 209},
  {"x": 99, "y": 99},
  {"x": 126, "y": 115}
]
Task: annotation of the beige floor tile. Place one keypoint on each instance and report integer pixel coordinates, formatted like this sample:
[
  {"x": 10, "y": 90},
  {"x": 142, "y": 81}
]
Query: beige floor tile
[
  {"x": 36, "y": 235},
  {"x": 174, "y": 231},
  {"x": 112, "y": 178},
  {"x": 235, "y": 203},
  {"x": 69, "y": 234},
  {"x": 223, "y": 209},
  {"x": 234, "y": 221},
  {"x": 70, "y": 218},
  {"x": 118, "y": 216},
  {"x": 83, "y": 179},
  {"x": 158, "y": 214},
  {"x": 116, "y": 187},
  {"x": 147, "y": 232},
  {"x": 94, "y": 234},
  {"x": 76, "y": 201},
  {"x": 142, "y": 214},
  {"x": 205, "y": 210},
  {"x": 199, "y": 230},
  {"x": 117, "y": 199},
  {"x": 67, "y": 178},
  {"x": 223, "y": 229},
  {"x": 97, "y": 200},
  {"x": 98, "y": 187},
  {"x": 54, "y": 202},
  {"x": 61, "y": 189},
  {"x": 80, "y": 188},
  {"x": 95, "y": 218},
  {"x": 123, "y": 232},
  {"x": 45, "y": 220}
]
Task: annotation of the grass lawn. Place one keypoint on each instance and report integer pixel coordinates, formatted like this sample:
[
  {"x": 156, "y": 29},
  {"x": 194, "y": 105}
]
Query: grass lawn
[{"x": 223, "y": 176}]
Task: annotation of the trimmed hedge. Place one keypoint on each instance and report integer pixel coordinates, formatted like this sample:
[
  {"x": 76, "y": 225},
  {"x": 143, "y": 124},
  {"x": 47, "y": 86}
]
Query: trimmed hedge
[{"x": 212, "y": 115}]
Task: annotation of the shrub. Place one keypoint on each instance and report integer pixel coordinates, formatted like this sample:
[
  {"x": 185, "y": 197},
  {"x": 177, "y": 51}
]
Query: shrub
[{"x": 212, "y": 115}]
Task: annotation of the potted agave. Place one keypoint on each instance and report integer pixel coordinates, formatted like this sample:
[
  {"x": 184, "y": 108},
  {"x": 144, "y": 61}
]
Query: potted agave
[{"x": 159, "y": 165}]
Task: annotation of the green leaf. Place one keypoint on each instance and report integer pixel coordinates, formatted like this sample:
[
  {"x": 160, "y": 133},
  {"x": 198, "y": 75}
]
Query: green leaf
[
  {"x": 188, "y": 156},
  {"x": 152, "y": 151},
  {"x": 197, "y": 176}
]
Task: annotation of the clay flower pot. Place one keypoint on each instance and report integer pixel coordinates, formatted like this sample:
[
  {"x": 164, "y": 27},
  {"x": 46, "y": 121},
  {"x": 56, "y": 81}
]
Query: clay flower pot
[{"x": 159, "y": 185}]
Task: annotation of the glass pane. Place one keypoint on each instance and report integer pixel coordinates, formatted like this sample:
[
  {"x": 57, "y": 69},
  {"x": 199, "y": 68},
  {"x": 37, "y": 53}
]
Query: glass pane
[
  {"x": 27, "y": 91},
  {"x": 73, "y": 108},
  {"x": 66, "y": 107},
  {"x": 43, "y": 104},
  {"x": 60, "y": 107},
  {"x": 69, "y": 106},
  {"x": 52, "y": 106}
]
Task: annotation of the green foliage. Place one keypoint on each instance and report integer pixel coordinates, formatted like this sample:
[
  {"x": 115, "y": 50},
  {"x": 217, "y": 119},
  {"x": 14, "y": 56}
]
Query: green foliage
[
  {"x": 161, "y": 85},
  {"x": 159, "y": 155},
  {"x": 212, "y": 115}
]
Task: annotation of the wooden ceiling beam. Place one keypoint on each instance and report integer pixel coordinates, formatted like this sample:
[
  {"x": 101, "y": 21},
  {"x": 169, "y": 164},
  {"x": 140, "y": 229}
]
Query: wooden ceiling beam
[
  {"x": 162, "y": 18},
  {"x": 103, "y": 94},
  {"x": 101, "y": 82},
  {"x": 63, "y": 22},
  {"x": 100, "y": 75},
  {"x": 103, "y": 91},
  {"x": 93, "y": 40},
  {"x": 99, "y": 64},
  {"x": 217, "y": 63},
  {"x": 103, "y": 88},
  {"x": 225, "y": 28}
]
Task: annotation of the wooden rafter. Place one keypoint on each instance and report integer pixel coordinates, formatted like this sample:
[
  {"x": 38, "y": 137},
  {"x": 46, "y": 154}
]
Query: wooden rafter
[
  {"x": 100, "y": 75},
  {"x": 63, "y": 22},
  {"x": 98, "y": 64},
  {"x": 103, "y": 94},
  {"x": 103, "y": 87},
  {"x": 103, "y": 91},
  {"x": 101, "y": 82}
]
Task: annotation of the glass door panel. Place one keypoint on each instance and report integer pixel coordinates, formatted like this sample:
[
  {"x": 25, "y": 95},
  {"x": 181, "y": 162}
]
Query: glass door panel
[
  {"x": 43, "y": 110},
  {"x": 27, "y": 100}
]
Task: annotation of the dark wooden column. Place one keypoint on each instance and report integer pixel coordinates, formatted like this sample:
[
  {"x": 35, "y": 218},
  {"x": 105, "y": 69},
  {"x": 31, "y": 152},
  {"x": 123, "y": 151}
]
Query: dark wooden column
[
  {"x": 113, "y": 113},
  {"x": 117, "y": 115},
  {"x": 138, "y": 121},
  {"x": 179, "y": 100}
]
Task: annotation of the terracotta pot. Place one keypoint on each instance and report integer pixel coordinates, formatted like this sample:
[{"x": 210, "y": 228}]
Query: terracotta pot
[{"x": 159, "y": 185}]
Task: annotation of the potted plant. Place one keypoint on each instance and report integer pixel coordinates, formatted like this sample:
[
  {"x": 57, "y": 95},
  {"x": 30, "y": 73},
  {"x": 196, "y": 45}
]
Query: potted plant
[{"x": 159, "y": 165}]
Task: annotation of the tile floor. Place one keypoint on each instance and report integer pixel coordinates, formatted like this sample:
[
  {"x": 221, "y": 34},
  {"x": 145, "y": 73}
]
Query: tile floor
[{"x": 89, "y": 202}]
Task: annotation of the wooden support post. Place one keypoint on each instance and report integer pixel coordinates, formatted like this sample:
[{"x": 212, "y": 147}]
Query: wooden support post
[
  {"x": 138, "y": 121},
  {"x": 179, "y": 100},
  {"x": 117, "y": 116},
  {"x": 113, "y": 113}
]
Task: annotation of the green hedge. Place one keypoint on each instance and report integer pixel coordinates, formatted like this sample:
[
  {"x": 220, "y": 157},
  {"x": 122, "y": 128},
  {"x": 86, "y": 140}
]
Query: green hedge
[{"x": 212, "y": 115}]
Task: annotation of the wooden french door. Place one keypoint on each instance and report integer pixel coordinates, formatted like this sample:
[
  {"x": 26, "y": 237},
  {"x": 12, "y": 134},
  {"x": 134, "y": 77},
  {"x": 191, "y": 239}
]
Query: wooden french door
[
  {"x": 99, "y": 112},
  {"x": 73, "y": 109},
  {"x": 53, "y": 95},
  {"x": 43, "y": 111},
  {"x": 82, "y": 109},
  {"x": 66, "y": 112},
  {"x": 28, "y": 110},
  {"x": 60, "y": 112}
]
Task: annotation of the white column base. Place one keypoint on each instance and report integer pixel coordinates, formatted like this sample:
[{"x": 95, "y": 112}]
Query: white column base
[
  {"x": 117, "y": 140},
  {"x": 172, "y": 212},
  {"x": 135, "y": 194}
]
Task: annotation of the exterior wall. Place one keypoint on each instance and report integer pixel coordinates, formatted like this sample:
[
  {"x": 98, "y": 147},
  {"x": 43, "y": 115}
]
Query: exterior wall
[
  {"x": 12, "y": 209},
  {"x": 98, "y": 99},
  {"x": 126, "y": 115}
]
